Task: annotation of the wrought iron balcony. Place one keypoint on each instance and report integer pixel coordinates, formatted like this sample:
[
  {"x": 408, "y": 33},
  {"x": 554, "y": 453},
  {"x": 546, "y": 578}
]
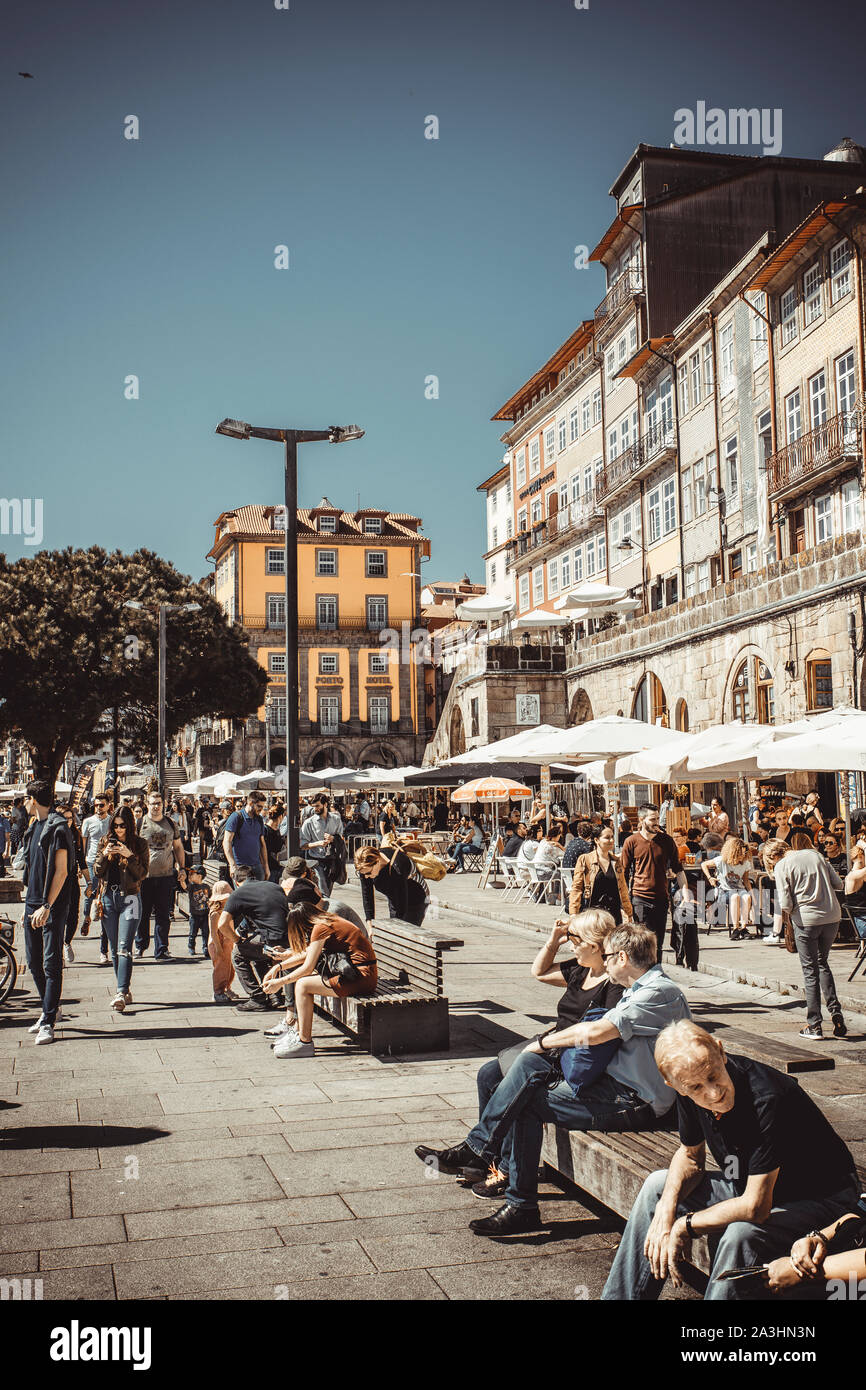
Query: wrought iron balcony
[
  {"x": 657, "y": 445},
  {"x": 618, "y": 296},
  {"x": 811, "y": 457},
  {"x": 548, "y": 534}
]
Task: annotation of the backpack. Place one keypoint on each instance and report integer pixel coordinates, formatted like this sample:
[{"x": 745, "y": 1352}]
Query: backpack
[{"x": 425, "y": 863}]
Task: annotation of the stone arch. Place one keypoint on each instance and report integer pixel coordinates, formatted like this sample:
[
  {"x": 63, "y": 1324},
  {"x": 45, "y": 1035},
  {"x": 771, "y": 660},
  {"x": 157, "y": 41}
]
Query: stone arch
[
  {"x": 650, "y": 702},
  {"x": 749, "y": 691},
  {"x": 378, "y": 755},
  {"x": 681, "y": 716},
  {"x": 456, "y": 732},
  {"x": 580, "y": 710},
  {"x": 329, "y": 755},
  {"x": 278, "y": 758}
]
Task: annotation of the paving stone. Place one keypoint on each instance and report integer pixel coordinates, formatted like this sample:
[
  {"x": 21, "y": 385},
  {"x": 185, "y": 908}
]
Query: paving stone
[
  {"x": 169, "y": 1185},
  {"x": 235, "y": 1216},
  {"x": 209, "y": 1119},
  {"x": 59, "y": 1112},
  {"x": 552, "y": 1275},
  {"x": 349, "y": 1170},
  {"x": 42, "y": 1195},
  {"x": 284, "y": 1266},
  {"x": 121, "y": 1110},
  {"x": 386, "y": 1087},
  {"x": 218, "y": 1095},
  {"x": 412, "y": 1285},
  {"x": 189, "y": 1149},
  {"x": 19, "y": 1263},
  {"x": 54, "y": 1235},
  {"x": 306, "y": 1140},
  {"x": 14, "y": 1161},
  {"x": 353, "y": 1108},
  {"x": 91, "y": 1284},
  {"x": 168, "y": 1248}
]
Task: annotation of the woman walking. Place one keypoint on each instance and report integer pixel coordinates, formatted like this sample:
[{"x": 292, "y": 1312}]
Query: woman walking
[
  {"x": 122, "y": 861},
  {"x": 599, "y": 881},
  {"x": 807, "y": 887},
  {"x": 338, "y": 962}
]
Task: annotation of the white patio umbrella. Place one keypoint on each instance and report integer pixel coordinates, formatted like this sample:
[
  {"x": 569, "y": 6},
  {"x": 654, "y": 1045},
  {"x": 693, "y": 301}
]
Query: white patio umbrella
[
  {"x": 604, "y": 738},
  {"x": 484, "y": 607},
  {"x": 505, "y": 750},
  {"x": 837, "y": 746},
  {"x": 539, "y": 618},
  {"x": 593, "y": 595}
]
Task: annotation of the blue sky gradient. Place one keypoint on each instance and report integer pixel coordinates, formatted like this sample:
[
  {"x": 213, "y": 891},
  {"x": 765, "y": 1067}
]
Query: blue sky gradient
[{"x": 409, "y": 256}]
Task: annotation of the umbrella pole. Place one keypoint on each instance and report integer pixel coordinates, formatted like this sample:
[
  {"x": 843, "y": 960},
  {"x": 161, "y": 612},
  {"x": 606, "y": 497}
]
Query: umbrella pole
[{"x": 846, "y": 806}]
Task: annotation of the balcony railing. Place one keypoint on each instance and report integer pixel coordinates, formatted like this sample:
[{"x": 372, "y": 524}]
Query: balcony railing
[
  {"x": 619, "y": 294},
  {"x": 305, "y": 622},
  {"x": 568, "y": 520},
  {"x": 657, "y": 445},
  {"x": 835, "y": 442}
]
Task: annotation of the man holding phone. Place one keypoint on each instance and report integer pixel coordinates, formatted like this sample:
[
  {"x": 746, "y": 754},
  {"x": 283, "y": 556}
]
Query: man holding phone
[
  {"x": 772, "y": 1185},
  {"x": 255, "y": 916}
]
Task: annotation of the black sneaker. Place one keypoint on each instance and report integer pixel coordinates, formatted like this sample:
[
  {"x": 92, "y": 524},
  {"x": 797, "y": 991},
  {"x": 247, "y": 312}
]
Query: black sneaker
[
  {"x": 508, "y": 1221},
  {"x": 839, "y": 1028},
  {"x": 454, "y": 1160},
  {"x": 494, "y": 1185},
  {"x": 253, "y": 1006},
  {"x": 812, "y": 1033}
]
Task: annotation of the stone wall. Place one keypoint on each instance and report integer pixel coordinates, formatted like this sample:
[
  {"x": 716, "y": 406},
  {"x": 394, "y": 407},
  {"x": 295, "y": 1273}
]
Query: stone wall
[{"x": 783, "y": 615}]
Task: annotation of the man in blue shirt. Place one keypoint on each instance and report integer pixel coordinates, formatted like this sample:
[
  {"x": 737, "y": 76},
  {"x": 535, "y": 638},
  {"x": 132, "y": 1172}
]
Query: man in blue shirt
[
  {"x": 49, "y": 856},
  {"x": 244, "y": 840},
  {"x": 631, "y": 1095}
]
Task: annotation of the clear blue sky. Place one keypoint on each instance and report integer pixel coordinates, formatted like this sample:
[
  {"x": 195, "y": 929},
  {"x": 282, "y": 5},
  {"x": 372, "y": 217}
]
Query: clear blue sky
[{"x": 409, "y": 257}]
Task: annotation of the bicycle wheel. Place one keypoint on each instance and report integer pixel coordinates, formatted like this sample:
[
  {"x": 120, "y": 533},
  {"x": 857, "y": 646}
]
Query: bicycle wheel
[{"x": 8, "y": 970}]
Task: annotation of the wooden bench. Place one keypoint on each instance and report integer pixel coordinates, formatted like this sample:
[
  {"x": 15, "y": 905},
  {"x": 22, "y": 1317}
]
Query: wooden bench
[
  {"x": 408, "y": 1011},
  {"x": 11, "y": 889}
]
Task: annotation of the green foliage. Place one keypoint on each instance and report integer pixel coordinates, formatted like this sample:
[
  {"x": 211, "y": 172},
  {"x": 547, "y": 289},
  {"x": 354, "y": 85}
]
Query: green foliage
[{"x": 64, "y": 661}]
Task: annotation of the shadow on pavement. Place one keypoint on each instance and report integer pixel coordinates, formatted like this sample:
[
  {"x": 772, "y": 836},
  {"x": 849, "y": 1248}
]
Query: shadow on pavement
[{"x": 79, "y": 1136}]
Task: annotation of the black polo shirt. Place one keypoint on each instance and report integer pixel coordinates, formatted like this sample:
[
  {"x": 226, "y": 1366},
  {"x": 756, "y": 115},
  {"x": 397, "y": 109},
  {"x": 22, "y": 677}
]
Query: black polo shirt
[{"x": 774, "y": 1123}]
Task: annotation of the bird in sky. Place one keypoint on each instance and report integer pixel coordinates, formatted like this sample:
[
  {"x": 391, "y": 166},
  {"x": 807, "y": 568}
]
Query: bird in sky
[{"x": 25, "y": 74}]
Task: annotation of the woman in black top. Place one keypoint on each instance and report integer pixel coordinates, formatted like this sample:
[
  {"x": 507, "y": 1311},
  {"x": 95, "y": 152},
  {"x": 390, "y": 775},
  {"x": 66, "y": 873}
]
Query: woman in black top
[
  {"x": 274, "y": 843},
  {"x": 393, "y": 874},
  {"x": 586, "y": 985},
  {"x": 387, "y": 819}
]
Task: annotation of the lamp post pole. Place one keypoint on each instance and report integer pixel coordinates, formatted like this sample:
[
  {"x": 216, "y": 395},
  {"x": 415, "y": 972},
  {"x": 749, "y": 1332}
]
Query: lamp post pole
[
  {"x": 160, "y": 766},
  {"x": 293, "y": 696}
]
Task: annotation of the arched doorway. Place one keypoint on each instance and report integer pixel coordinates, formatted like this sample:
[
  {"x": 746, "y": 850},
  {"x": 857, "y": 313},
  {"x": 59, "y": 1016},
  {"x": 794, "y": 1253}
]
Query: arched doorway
[
  {"x": 681, "y": 716},
  {"x": 378, "y": 755},
  {"x": 581, "y": 708},
  {"x": 650, "y": 703},
  {"x": 329, "y": 756},
  {"x": 278, "y": 758},
  {"x": 752, "y": 692},
  {"x": 457, "y": 733}
]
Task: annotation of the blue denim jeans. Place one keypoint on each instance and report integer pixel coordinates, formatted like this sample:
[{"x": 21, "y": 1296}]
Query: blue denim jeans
[
  {"x": 511, "y": 1129},
  {"x": 122, "y": 913},
  {"x": 43, "y": 950},
  {"x": 741, "y": 1244}
]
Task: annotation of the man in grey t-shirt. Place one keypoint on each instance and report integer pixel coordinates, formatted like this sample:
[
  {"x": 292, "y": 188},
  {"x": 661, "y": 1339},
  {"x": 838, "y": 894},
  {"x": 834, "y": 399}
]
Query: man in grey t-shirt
[
  {"x": 162, "y": 837},
  {"x": 806, "y": 886}
]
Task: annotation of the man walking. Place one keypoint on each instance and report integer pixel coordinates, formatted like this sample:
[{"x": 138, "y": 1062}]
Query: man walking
[
  {"x": 92, "y": 830},
  {"x": 317, "y": 836},
  {"x": 244, "y": 841},
  {"x": 49, "y": 861},
  {"x": 806, "y": 886},
  {"x": 166, "y": 849},
  {"x": 783, "y": 1171},
  {"x": 646, "y": 858}
]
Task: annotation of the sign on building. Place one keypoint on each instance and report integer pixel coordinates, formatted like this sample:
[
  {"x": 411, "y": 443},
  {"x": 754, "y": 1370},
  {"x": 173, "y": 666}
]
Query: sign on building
[{"x": 528, "y": 709}]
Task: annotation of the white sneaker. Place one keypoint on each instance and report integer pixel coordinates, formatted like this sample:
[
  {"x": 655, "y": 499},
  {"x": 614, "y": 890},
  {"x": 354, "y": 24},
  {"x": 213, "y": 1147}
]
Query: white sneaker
[
  {"x": 773, "y": 940},
  {"x": 290, "y": 1035},
  {"x": 68, "y": 955},
  {"x": 118, "y": 1003},
  {"x": 291, "y": 1046},
  {"x": 45, "y": 1034},
  {"x": 58, "y": 1018},
  {"x": 103, "y": 958},
  {"x": 280, "y": 1029}
]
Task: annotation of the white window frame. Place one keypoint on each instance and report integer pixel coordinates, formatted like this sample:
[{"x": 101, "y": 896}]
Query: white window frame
[
  {"x": 695, "y": 377},
  {"x": 789, "y": 327},
  {"x": 793, "y": 416},
  {"x": 538, "y": 585},
  {"x": 372, "y": 526},
  {"x": 523, "y": 592},
  {"x": 327, "y": 526},
  {"x": 573, "y": 430},
  {"x": 520, "y": 467},
  {"x": 577, "y": 555},
  {"x": 732, "y": 470},
  {"x": 329, "y": 664},
  {"x": 553, "y": 577},
  {"x": 596, "y": 406},
  {"x": 590, "y": 557},
  {"x": 824, "y": 518},
  {"x": 812, "y": 299},
  {"x": 686, "y": 485},
  {"x": 275, "y": 560},
  {"x": 585, "y": 411},
  {"x": 534, "y": 457},
  {"x": 840, "y": 270},
  {"x": 565, "y": 571},
  {"x": 654, "y": 516},
  {"x": 727, "y": 358},
  {"x": 683, "y": 388},
  {"x": 322, "y": 563},
  {"x": 562, "y": 434},
  {"x": 708, "y": 368},
  {"x": 818, "y": 403},
  {"x": 851, "y": 506},
  {"x": 669, "y": 506},
  {"x": 549, "y": 445}
]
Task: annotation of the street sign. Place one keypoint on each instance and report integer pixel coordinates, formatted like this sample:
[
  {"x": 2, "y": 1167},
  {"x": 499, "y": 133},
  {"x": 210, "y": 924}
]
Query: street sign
[{"x": 544, "y": 788}]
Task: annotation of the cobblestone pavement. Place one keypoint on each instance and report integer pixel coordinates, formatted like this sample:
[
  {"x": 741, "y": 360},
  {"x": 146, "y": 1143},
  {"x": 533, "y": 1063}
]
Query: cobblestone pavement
[{"x": 166, "y": 1154}]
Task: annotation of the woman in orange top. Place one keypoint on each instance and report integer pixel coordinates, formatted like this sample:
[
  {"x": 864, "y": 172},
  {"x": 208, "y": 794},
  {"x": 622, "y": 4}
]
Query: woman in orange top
[{"x": 326, "y": 934}]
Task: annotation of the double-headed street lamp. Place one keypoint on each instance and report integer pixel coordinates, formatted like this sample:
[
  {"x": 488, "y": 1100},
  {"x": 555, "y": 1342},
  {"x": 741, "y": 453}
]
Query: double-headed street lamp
[
  {"x": 335, "y": 434},
  {"x": 164, "y": 608}
]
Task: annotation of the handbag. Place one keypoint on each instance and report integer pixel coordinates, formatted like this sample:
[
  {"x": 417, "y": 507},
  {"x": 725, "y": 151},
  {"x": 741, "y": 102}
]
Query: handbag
[
  {"x": 97, "y": 907},
  {"x": 337, "y": 964},
  {"x": 790, "y": 939}
]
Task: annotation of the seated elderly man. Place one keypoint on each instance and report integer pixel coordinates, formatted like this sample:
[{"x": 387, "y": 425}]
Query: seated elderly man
[
  {"x": 783, "y": 1171},
  {"x": 629, "y": 1095}
]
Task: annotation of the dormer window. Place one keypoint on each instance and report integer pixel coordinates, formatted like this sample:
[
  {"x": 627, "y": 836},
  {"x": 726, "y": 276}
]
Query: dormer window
[
  {"x": 328, "y": 524},
  {"x": 373, "y": 525}
]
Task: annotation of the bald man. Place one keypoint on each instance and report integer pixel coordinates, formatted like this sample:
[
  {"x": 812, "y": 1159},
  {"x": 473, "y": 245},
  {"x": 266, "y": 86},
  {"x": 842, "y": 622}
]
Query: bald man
[{"x": 783, "y": 1171}]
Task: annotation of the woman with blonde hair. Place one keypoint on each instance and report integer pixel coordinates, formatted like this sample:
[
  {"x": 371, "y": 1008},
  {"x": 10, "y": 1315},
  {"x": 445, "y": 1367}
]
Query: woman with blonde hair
[
  {"x": 731, "y": 873},
  {"x": 392, "y": 873},
  {"x": 339, "y": 961}
]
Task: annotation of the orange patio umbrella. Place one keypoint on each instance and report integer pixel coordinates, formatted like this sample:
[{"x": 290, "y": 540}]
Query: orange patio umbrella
[{"x": 491, "y": 789}]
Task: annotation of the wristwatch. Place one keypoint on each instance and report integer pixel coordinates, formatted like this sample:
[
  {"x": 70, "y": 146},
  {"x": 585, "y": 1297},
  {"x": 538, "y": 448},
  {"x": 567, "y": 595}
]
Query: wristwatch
[{"x": 691, "y": 1232}]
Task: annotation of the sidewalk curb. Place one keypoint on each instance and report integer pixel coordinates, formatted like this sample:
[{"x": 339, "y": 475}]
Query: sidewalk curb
[{"x": 849, "y": 1002}]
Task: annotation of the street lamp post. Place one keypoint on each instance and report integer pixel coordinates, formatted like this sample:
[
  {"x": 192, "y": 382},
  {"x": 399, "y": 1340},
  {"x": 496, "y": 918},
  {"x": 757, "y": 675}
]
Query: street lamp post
[
  {"x": 335, "y": 434},
  {"x": 164, "y": 609}
]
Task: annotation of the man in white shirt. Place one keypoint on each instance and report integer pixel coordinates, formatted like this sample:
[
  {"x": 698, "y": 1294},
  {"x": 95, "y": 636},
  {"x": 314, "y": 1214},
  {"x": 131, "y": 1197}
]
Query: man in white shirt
[
  {"x": 317, "y": 836},
  {"x": 92, "y": 830}
]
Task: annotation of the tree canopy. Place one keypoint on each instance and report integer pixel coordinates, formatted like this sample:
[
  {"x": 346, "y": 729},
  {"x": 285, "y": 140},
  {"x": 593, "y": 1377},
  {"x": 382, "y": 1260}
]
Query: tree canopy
[{"x": 67, "y": 654}]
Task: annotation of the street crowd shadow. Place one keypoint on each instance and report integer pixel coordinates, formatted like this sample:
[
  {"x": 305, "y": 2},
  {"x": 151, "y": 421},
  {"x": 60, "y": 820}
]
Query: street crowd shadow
[
  {"x": 163, "y": 1035},
  {"x": 79, "y": 1136}
]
